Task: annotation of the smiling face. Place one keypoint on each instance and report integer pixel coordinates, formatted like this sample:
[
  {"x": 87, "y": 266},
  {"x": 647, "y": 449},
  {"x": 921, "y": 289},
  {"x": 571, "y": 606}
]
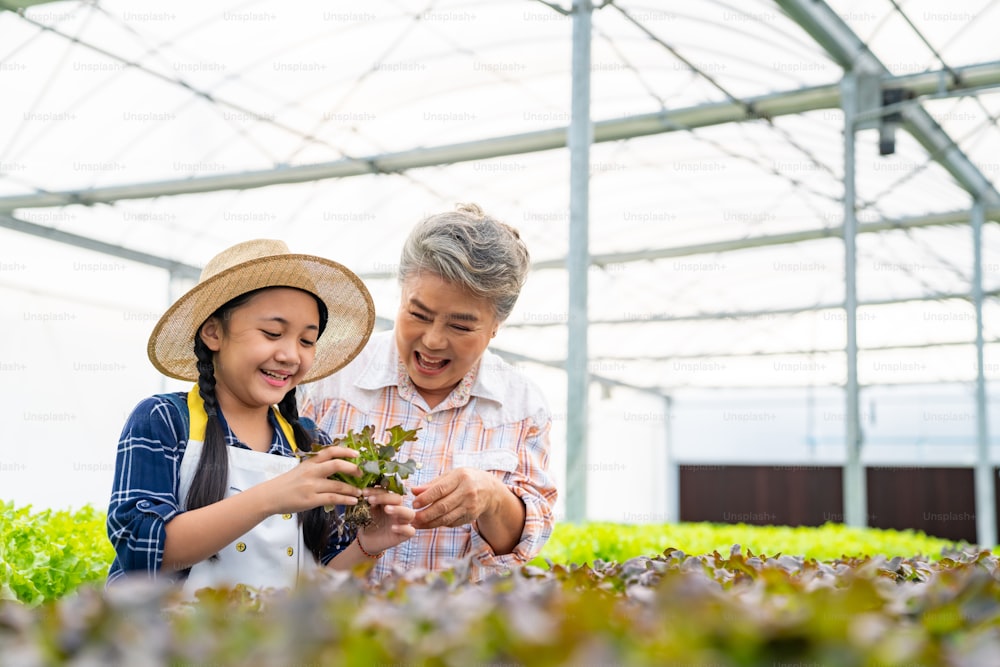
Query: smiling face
[
  {"x": 441, "y": 332},
  {"x": 264, "y": 348}
]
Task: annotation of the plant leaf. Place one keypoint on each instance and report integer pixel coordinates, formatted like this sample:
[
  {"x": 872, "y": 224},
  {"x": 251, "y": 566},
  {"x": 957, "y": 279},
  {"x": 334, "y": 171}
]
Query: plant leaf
[
  {"x": 376, "y": 460},
  {"x": 398, "y": 435},
  {"x": 393, "y": 483}
]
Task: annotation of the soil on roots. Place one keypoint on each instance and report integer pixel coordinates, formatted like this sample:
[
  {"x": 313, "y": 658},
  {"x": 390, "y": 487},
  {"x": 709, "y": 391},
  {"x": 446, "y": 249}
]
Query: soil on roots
[{"x": 358, "y": 516}]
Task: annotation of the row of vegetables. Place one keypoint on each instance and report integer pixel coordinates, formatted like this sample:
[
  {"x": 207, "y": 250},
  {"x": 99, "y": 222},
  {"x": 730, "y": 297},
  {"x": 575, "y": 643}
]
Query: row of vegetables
[{"x": 732, "y": 606}]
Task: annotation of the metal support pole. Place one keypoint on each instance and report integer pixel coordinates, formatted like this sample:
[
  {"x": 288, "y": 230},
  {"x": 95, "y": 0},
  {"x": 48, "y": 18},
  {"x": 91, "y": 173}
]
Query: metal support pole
[
  {"x": 577, "y": 264},
  {"x": 855, "y": 492},
  {"x": 668, "y": 490},
  {"x": 986, "y": 522}
]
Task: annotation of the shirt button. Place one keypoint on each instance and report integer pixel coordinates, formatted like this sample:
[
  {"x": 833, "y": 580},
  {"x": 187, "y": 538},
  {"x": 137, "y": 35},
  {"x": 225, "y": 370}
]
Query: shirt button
[
  {"x": 241, "y": 547},
  {"x": 429, "y": 418},
  {"x": 290, "y": 551},
  {"x": 286, "y": 516}
]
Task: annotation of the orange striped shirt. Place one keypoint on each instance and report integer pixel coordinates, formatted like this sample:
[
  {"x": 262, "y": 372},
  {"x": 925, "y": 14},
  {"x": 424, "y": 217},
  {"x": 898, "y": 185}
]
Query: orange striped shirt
[{"x": 496, "y": 419}]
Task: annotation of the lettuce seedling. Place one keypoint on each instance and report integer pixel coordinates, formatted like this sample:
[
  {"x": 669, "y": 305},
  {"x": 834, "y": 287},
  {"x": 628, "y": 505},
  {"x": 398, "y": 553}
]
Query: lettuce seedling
[{"x": 378, "y": 465}]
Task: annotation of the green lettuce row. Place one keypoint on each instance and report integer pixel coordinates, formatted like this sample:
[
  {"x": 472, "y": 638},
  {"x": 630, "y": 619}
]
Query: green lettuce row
[
  {"x": 45, "y": 555},
  {"x": 725, "y": 610},
  {"x": 582, "y": 543}
]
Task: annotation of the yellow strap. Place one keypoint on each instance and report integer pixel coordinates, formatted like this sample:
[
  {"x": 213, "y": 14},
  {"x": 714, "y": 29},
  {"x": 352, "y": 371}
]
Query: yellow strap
[{"x": 199, "y": 419}]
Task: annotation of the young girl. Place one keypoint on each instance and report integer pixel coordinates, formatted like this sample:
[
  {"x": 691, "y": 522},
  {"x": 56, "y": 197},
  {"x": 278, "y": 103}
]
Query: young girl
[{"x": 207, "y": 483}]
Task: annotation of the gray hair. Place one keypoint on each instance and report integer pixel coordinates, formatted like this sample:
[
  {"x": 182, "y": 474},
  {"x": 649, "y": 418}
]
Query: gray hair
[{"x": 470, "y": 249}]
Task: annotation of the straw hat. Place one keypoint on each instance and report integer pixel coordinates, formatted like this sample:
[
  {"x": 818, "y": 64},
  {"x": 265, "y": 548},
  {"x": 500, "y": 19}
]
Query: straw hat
[{"x": 266, "y": 263}]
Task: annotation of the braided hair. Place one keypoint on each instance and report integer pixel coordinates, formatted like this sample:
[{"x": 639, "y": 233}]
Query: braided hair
[{"x": 211, "y": 478}]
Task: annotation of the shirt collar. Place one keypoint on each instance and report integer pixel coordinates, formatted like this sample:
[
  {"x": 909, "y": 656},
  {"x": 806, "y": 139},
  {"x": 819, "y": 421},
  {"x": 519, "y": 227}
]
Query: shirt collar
[
  {"x": 490, "y": 382},
  {"x": 279, "y": 443},
  {"x": 458, "y": 397}
]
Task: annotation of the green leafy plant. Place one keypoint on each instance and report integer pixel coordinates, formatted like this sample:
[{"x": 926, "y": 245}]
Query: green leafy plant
[
  {"x": 734, "y": 608},
  {"x": 585, "y": 542},
  {"x": 378, "y": 465},
  {"x": 48, "y": 554},
  {"x": 45, "y": 555}
]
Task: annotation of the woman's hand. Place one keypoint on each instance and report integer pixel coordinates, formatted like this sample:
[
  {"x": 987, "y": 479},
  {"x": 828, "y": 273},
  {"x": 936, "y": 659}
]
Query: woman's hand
[
  {"x": 307, "y": 485},
  {"x": 391, "y": 523},
  {"x": 457, "y": 497},
  {"x": 466, "y": 495}
]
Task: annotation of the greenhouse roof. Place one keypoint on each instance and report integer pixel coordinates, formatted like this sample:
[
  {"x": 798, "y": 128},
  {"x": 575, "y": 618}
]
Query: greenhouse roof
[
  {"x": 716, "y": 175},
  {"x": 161, "y": 134}
]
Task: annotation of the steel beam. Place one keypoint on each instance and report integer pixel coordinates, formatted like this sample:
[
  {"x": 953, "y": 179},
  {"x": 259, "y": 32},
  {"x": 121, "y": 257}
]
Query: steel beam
[
  {"x": 914, "y": 222},
  {"x": 177, "y": 269},
  {"x": 850, "y": 52},
  {"x": 771, "y": 105},
  {"x": 985, "y": 484},
  {"x": 580, "y": 136}
]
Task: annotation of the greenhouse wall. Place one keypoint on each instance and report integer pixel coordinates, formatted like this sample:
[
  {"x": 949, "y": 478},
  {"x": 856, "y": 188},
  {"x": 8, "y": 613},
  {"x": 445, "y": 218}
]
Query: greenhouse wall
[{"x": 939, "y": 501}]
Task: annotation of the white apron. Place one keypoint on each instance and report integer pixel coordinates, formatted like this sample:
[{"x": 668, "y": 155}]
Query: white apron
[{"x": 272, "y": 554}]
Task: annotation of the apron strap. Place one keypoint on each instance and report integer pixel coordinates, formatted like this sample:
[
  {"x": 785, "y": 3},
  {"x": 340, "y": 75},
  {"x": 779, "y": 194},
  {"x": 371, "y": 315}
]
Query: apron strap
[{"x": 199, "y": 419}]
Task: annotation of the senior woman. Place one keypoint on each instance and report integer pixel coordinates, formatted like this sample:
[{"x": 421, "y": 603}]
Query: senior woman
[{"x": 483, "y": 489}]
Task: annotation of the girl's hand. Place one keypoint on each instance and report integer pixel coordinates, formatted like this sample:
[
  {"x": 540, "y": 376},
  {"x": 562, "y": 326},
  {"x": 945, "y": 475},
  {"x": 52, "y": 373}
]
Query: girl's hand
[
  {"x": 391, "y": 524},
  {"x": 306, "y": 486}
]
